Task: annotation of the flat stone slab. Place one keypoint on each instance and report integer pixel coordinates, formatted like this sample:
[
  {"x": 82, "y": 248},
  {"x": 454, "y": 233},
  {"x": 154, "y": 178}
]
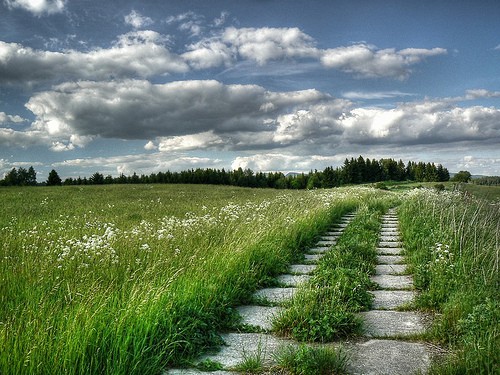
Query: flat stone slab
[
  {"x": 293, "y": 280},
  {"x": 385, "y": 227},
  {"x": 388, "y": 357},
  {"x": 391, "y": 299},
  {"x": 313, "y": 258},
  {"x": 391, "y": 323},
  {"x": 389, "y": 244},
  {"x": 389, "y": 250},
  {"x": 389, "y": 239},
  {"x": 390, "y": 269},
  {"x": 319, "y": 250},
  {"x": 340, "y": 225},
  {"x": 329, "y": 238},
  {"x": 240, "y": 346},
  {"x": 302, "y": 269},
  {"x": 389, "y": 230},
  {"x": 390, "y": 259},
  {"x": 191, "y": 371},
  {"x": 325, "y": 243},
  {"x": 258, "y": 316},
  {"x": 275, "y": 295},
  {"x": 393, "y": 282}
]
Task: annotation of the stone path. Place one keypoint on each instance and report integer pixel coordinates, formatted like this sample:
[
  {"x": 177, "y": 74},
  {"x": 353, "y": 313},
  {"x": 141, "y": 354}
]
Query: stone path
[
  {"x": 381, "y": 353},
  {"x": 382, "y": 350},
  {"x": 241, "y": 346}
]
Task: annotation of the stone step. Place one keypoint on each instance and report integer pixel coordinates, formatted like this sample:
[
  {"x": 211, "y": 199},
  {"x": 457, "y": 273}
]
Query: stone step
[
  {"x": 329, "y": 238},
  {"x": 389, "y": 230},
  {"x": 390, "y": 259},
  {"x": 319, "y": 250},
  {"x": 293, "y": 280},
  {"x": 393, "y": 282},
  {"x": 388, "y": 357},
  {"x": 302, "y": 269},
  {"x": 313, "y": 258},
  {"x": 389, "y": 250},
  {"x": 391, "y": 299},
  {"x": 191, "y": 371},
  {"x": 388, "y": 226},
  {"x": 340, "y": 225},
  {"x": 387, "y": 323},
  {"x": 258, "y": 316},
  {"x": 390, "y": 269},
  {"x": 335, "y": 233},
  {"x": 389, "y": 244},
  {"x": 389, "y": 238},
  {"x": 326, "y": 243},
  {"x": 275, "y": 295}
]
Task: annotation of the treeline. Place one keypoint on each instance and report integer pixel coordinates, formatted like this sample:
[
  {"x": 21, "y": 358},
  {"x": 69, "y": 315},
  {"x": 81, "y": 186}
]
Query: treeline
[
  {"x": 20, "y": 177},
  {"x": 487, "y": 180},
  {"x": 353, "y": 171}
]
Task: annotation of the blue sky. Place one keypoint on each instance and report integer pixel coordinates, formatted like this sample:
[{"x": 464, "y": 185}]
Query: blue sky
[{"x": 145, "y": 86}]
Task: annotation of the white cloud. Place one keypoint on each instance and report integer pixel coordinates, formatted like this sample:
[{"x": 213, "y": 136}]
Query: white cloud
[
  {"x": 479, "y": 164},
  {"x": 190, "y": 142},
  {"x": 5, "y": 118},
  {"x": 269, "y": 162},
  {"x": 135, "y": 54},
  {"x": 366, "y": 61},
  {"x": 150, "y": 146},
  {"x": 218, "y": 22},
  {"x": 374, "y": 95},
  {"x": 137, "y": 20},
  {"x": 38, "y": 7},
  {"x": 190, "y": 22}
]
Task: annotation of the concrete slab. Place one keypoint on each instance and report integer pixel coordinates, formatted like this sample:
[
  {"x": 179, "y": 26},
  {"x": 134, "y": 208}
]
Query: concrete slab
[
  {"x": 391, "y": 299},
  {"x": 275, "y": 295},
  {"x": 389, "y": 250},
  {"x": 293, "y": 280},
  {"x": 388, "y": 357},
  {"x": 390, "y": 230},
  {"x": 393, "y": 282},
  {"x": 340, "y": 225},
  {"x": 388, "y": 226},
  {"x": 197, "y": 372},
  {"x": 326, "y": 243},
  {"x": 302, "y": 269},
  {"x": 258, "y": 316},
  {"x": 319, "y": 250},
  {"x": 390, "y": 259},
  {"x": 389, "y": 244},
  {"x": 393, "y": 238},
  {"x": 390, "y": 269},
  {"x": 313, "y": 258},
  {"x": 386, "y": 323},
  {"x": 240, "y": 346},
  {"x": 329, "y": 238}
]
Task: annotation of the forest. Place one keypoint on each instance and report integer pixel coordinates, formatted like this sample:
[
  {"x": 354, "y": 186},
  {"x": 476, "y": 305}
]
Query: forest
[{"x": 353, "y": 171}]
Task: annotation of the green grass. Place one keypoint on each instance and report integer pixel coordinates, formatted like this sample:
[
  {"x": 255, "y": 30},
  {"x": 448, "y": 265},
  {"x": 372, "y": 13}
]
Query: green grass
[
  {"x": 452, "y": 244},
  {"x": 309, "y": 360},
  {"x": 131, "y": 279},
  {"x": 325, "y": 308}
]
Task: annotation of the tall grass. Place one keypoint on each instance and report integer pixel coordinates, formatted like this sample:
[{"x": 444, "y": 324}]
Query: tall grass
[
  {"x": 128, "y": 280},
  {"x": 325, "y": 308},
  {"x": 453, "y": 245}
]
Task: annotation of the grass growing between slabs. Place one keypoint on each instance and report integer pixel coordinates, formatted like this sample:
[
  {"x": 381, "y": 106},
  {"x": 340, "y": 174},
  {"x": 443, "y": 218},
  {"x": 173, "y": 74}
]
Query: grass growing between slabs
[
  {"x": 325, "y": 308},
  {"x": 453, "y": 250},
  {"x": 131, "y": 279}
]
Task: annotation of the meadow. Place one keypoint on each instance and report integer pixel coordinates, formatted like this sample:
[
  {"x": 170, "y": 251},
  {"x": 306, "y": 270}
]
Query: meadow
[{"x": 131, "y": 279}]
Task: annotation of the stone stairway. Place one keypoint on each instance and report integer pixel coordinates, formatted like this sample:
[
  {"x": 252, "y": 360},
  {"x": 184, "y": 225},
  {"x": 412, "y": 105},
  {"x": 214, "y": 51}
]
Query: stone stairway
[
  {"x": 382, "y": 350},
  {"x": 241, "y": 346}
]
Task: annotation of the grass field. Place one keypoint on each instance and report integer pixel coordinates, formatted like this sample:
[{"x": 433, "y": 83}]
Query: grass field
[{"x": 131, "y": 279}]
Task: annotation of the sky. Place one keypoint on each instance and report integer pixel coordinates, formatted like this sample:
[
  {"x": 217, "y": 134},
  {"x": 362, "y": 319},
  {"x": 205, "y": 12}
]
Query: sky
[{"x": 124, "y": 86}]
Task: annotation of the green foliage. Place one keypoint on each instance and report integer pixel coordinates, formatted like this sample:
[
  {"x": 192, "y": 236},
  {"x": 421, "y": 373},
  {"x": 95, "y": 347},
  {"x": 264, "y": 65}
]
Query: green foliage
[
  {"x": 307, "y": 360},
  {"x": 462, "y": 176},
  {"x": 452, "y": 246},
  {"x": 209, "y": 365},
  {"x": 53, "y": 179}
]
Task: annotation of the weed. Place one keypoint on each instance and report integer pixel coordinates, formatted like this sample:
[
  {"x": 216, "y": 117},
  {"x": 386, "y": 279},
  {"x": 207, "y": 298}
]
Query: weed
[{"x": 309, "y": 360}]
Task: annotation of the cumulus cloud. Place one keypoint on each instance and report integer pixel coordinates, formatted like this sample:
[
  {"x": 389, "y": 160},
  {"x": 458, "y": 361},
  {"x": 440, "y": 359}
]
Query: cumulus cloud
[
  {"x": 137, "y": 20},
  {"x": 5, "y": 118},
  {"x": 374, "y": 95},
  {"x": 189, "y": 22},
  {"x": 366, "y": 61},
  {"x": 135, "y": 54},
  {"x": 38, "y": 7}
]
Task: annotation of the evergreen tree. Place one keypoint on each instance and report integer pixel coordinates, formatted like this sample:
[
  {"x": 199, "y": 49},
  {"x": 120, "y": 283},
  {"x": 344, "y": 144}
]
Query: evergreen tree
[{"x": 53, "y": 179}]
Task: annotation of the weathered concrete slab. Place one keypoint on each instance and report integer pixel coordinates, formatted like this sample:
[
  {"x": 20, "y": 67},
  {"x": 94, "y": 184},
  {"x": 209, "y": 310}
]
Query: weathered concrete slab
[
  {"x": 388, "y": 357},
  {"x": 386, "y": 323},
  {"x": 390, "y": 269},
  {"x": 325, "y": 243},
  {"x": 390, "y": 259},
  {"x": 313, "y": 258},
  {"x": 293, "y": 280},
  {"x": 329, "y": 238},
  {"x": 389, "y": 230},
  {"x": 275, "y": 295},
  {"x": 388, "y": 226},
  {"x": 258, "y": 316},
  {"x": 393, "y": 238},
  {"x": 391, "y": 299},
  {"x": 302, "y": 269},
  {"x": 393, "y": 282},
  {"x": 340, "y": 225},
  {"x": 335, "y": 233},
  {"x": 198, "y": 372},
  {"x": 389, "y": 244},
  {"x": 389, "y": 250},
  {"x": 240, "y": 346},
  {"x": 319, "y": 250}
]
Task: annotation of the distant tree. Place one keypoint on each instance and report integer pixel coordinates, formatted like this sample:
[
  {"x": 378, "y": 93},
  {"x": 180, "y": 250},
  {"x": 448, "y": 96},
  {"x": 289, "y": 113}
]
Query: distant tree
[
  {"x": 11, "y": 178},
  {"x": 97, "y": 179},
  {"x": 53, "y": 179},
  {"x": 462, "y": 176}
]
